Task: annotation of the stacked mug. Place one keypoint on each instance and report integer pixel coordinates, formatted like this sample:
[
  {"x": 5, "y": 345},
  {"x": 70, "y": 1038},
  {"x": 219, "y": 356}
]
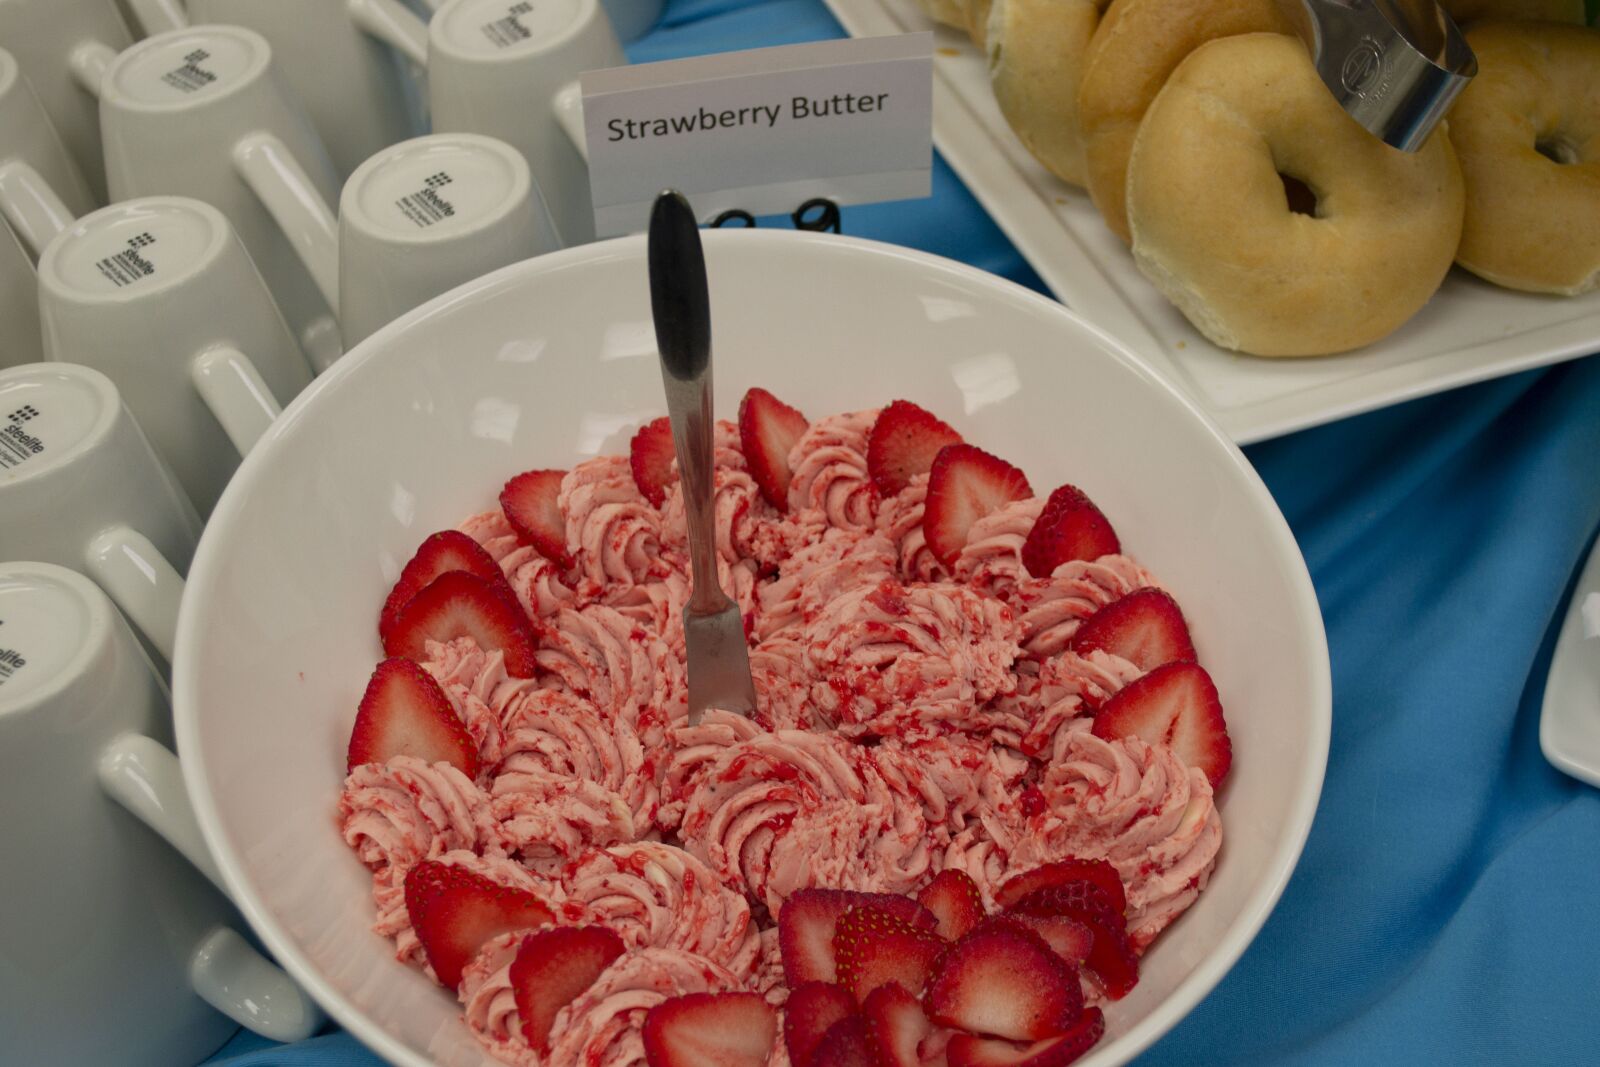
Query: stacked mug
[{"x": 203, "y": 204}]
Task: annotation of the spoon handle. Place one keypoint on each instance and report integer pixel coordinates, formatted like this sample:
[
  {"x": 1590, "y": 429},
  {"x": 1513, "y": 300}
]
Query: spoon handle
[{"x": 681, "y": 305}]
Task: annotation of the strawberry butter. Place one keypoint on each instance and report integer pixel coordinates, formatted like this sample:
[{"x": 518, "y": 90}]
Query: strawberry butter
[{"x": 982, "y": 728}]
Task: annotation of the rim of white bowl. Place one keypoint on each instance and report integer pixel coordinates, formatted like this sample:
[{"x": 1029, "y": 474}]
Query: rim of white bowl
[{"x": 1235, "y": 939}]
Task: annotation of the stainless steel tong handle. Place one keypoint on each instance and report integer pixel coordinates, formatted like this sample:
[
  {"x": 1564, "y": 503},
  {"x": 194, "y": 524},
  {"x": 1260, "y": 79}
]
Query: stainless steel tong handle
[{"x": 1395, "y": 65}]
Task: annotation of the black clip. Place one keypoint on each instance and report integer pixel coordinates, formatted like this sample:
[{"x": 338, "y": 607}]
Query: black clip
[
  {"x": 745, "y": 220},
  {"x": 819, "y": 215}
]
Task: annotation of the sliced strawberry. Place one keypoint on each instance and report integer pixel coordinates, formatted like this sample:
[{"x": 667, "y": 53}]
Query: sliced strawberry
[
  {"x": 965, "y": 484},
  {"x": 809, "y": 917},
  {"x": 1110, "y": 956},
  {"x": 895, "y": 1025},
  {"x": 768, "y": 430},
  {"x": 529, "y": 503},
  {"x": 965, "y": 1050},
  {"x": 1071, "y": 869},
  {"x": 844, "y": 1045},
  {"x": 812, "y": 1008},
  {"x": 458, "y": 604},
  {"x": 652, "y": 454},
  {"x": 1071, "y": 939},
  {"x": 552, "y": 967},
  {"x": 1004, "y": 981},
  {"x": 1146, "y": 628},
  {"x": 954, "y": 900},
  {"x": 454, "y": 911},
  {"x": 872, "y": 947},
  {"x": 710, "y": 1030},
  {"x": 903, "y": 443},
  {"x": 1175, "y": 705},
  {"x": 447, "y": 550},
  {"x": 1070, "y": 527},
  {"x": 404, "y": 712}
]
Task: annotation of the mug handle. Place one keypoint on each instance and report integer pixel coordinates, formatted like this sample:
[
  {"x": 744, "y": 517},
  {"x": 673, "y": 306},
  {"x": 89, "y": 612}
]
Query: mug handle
[
  {"x": 284, "y": 188},
  {"x": 158, "y": 16},
  {"x": 225, "y": 970},
  {"x": 31, "y": 206},
  {"x": 236, "y": 393},
  {"x": 395, "y": 25},
  {"x": 141, "y": 582},
  {"x": 89, "y": 62}
]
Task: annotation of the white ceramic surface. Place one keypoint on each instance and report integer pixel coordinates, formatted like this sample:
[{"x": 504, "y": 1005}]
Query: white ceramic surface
[
  {"x": 1468, "y": 332},
  {"x": 205, "y": 113},
  {"x": 425, "y": 216},
  {"x": 41, "y": 188},
  {"x": 81, "y": 486},
  {"x": 159, "y": 294},
  {"x": 91, "y": 897},
  {"x": 20, "y": 341},
  {"x": 495, "y": 67},
  {"x": 1569, "y": 722},
  {"x": 52, "y": 40},
  {"x": 340, "y": 56},
  {"x": 553, "y": 360}
]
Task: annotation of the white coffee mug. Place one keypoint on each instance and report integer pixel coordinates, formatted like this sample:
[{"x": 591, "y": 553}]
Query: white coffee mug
[
  {"x": 20, "y": 341},
  {"x": 497, "y": 67},
  {"x": 159, "y": 294},
  {"x": 425, "y": 216},
  {"x": 81, "y": 486},
  {"x": 204, "y": 113},
  {"x": 41, "y": 187},
  {"x": 340, "y": 57},
  {"x": 114, "y": 944},
  {"x": 62, "y": 47}
]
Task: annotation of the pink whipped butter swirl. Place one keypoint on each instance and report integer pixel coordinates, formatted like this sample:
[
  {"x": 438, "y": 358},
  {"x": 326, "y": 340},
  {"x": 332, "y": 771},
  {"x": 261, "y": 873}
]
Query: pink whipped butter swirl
[{"x": 906, "y": 712}]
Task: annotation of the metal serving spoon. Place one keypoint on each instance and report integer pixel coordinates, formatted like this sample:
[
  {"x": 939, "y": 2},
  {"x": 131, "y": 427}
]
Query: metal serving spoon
[
  {"x": 713, "y": 628},
  {"x": 1395, "y": 65}
]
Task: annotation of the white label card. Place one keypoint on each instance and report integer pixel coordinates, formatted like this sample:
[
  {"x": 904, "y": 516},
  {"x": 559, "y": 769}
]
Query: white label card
[{"x": 762, "y": 130}]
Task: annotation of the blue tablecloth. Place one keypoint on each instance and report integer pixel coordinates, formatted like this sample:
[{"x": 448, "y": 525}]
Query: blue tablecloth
[{"x": 1447, "y": 906}]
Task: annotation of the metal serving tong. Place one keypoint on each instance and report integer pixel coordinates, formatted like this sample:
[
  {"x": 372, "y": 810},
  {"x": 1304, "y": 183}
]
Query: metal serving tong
[
  {"x": 713, "y": 628},
  {"x": 1395, "y": 65}
]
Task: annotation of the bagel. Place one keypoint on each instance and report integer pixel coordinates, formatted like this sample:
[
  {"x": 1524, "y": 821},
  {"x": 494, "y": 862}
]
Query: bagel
[
  {"x": 1464, "y": 11},
  {"x": 1212, "y": 224},
  {"x": 1532, "y": 223},
  {"x": 1139, "y": 44},
  {"x": 977, "y": 22},
  {"x": 1036, "y": 50}
]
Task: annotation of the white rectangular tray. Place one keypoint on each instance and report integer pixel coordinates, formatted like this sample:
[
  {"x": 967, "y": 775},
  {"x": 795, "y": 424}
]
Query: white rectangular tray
[{"x": 1468, "y": 332}]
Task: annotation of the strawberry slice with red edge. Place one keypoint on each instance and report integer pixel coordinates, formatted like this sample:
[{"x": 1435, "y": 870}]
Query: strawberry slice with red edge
[
  {"x": 404, "y": 712},
  {"x": 954, "y": 900},
  {"x": 1110, "y": 956},
  {"x": 455, "y": 911},
  {"x": 1071, "y": 939},
  {"x": 903, "y": 443},
  {"x": 872, "y": 947},
  {"x": 651, "y": 454},
  {"x": 530, "y": 504},
  {"x": 1145, "y": 627},
  {"x": 1071, "y": 869},
  {"x": 1177, "y": 706},
  {"x": 768, "y": 430},
  {"x": 965, "y": 484},
  {"x": 552, "y": 967},
  {"x": 1070, "y": 527},
  {"x": 1002, "y": 980},
  {"x": 710, "y": 1030},
  {"x": 458, "y": 604},
  {"x": 966, "y": 1050},
  {"x": 895, "y": 1026},
  {"x": 445, "y": 551},
  {"x": 844, "y": 1045},
  {"x": 812, "y": 1008},
  {"x": 808, "y": 919}
]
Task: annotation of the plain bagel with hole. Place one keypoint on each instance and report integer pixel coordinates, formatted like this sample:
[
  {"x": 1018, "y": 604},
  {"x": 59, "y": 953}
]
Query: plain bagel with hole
[
  {"x": 1211, "y": 222},
  {"x": 1036, "y": 50},
  {"x": 1527, "y": 129}
]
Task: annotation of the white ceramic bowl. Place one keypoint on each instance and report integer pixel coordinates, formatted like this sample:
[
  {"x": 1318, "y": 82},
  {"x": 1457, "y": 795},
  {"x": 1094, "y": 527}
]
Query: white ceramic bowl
[{"x": 553, "y": 360}]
